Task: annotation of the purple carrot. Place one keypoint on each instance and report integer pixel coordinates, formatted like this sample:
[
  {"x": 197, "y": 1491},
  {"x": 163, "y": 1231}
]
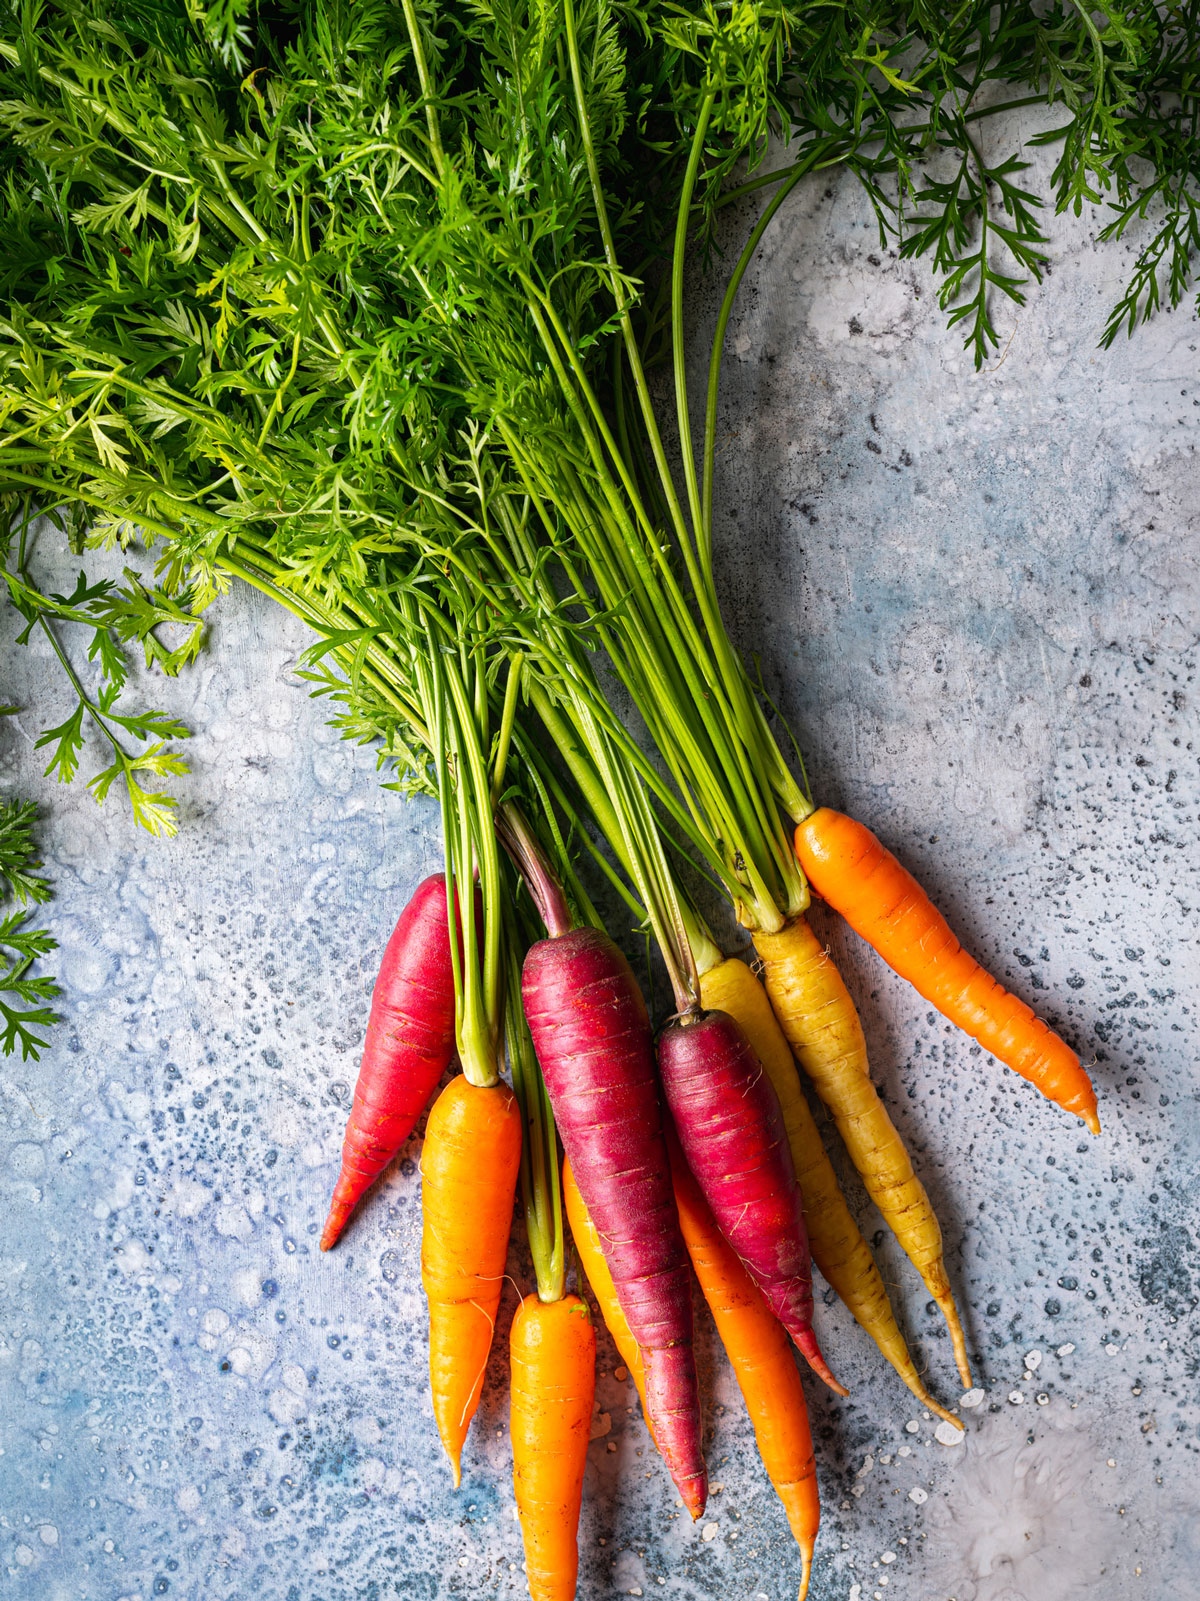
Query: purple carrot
[
  {"x": 731, "y": 1128},
  {"x": 592, "y": 1036},
  {"x": 593, "y": 1041}
]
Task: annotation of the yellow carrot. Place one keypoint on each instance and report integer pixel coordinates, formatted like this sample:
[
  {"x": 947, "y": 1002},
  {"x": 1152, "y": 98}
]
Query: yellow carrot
[
  {"x": 818, "y": 1018},
  {"x": 838, "y": 1247}
]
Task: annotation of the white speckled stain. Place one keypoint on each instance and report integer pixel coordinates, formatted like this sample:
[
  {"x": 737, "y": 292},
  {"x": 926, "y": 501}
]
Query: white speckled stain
[
  {"x": 1027, "y": 1519},
  {"x": 975, "y": 597}
]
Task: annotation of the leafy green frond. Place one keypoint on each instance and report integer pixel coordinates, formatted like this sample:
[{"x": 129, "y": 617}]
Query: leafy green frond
[
  {"x": 22, "y": 1012},
  {"x": 356, "y": 303},
  {"x": 19, "y": 862}
]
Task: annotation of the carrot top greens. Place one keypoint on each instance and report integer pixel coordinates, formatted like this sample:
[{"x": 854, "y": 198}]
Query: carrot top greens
[
  {"x": 361, "y": 304},
  {"x": 22, "y": 993}
]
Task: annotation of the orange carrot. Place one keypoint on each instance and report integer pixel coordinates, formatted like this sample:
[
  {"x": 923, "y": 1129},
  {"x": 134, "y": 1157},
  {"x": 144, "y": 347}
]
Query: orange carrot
[
  {"x": 882, "y": 901},
  {"x": 595, "y": 1268},
  {"x": 761, "y": 1357},
  {"x": 553, "y": 1353},
  {"x": 469, "y": 1178}
]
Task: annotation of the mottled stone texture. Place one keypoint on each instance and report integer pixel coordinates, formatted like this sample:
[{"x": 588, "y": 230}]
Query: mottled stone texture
[{"x": 974, "y": 598}]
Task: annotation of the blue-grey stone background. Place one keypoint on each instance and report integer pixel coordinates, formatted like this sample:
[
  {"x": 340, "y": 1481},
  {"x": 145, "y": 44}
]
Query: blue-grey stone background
[{"x": 975, "y": 598}]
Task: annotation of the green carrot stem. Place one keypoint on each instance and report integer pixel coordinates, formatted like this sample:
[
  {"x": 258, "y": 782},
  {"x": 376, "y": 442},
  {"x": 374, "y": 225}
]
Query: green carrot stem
[{"x": 541, "y": 1192}]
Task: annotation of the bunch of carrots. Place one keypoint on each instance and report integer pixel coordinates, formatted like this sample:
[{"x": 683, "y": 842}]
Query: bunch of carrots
[
  {"x": 371, "y": 328},
  {"x": 707, "y": 1154}
]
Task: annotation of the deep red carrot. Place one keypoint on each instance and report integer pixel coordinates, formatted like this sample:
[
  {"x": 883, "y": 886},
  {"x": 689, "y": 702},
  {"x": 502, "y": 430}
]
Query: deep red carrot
[
  {"x": 761, "y": 1359},
  {"x": 592, "y": 1035},
  {"x": 410, "y": 1040},
  {"x": 732, "y": 1131}
]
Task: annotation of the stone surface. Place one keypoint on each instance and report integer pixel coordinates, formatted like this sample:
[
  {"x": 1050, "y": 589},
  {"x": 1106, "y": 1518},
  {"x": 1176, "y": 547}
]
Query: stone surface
[{"x": 975, "y": 600}]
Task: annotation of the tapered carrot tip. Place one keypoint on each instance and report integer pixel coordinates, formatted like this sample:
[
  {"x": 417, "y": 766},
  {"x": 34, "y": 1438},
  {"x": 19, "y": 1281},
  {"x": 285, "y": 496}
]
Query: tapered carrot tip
[
  {"x": 811, "y": 1352},
  {"x": 923, "y": 1395},
  {"x": 957, "y": 1339},
  {"x": 805, "y": 1575},
  {"x": 1092, "y": 1119},
  {"x": 695, "y": 1494},
  {"x": 334, "y": 1224},
  {"x": 455, "y": 1460}
]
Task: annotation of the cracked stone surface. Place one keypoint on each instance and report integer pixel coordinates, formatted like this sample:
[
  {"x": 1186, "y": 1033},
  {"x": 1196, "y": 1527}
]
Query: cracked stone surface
[{"x": 974, "y": 598}]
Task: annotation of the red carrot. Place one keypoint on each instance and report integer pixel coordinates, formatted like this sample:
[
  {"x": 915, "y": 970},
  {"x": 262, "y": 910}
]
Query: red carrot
[
  {"x": 732, "y": 1131},
  {"x": 410, "y": 1040}
]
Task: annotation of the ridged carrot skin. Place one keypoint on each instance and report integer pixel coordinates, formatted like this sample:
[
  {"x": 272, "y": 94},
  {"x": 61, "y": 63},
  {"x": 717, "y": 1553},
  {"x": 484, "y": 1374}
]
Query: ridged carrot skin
[
  {"x": 882, "y": 901},
  {"x": 552, "y": 1352},
  {"x": 592, "y": 1037},
  {"x": 469, "y": 1169},
  {"x": 838, "y": 1247},
  {"x": 595, "y": 1268},
  {"x": 409, "y": 1043},
  {"x": 731, "y": 1129},
  {"x": 762, "y": 1361},
  {"x": 819, "y": 1021}
]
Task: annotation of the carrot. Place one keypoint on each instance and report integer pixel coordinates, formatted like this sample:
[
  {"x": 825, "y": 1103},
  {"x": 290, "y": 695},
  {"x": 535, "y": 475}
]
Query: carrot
[
  {"x": 410, "y": 1040},
  {"x": 817, "y": 1017},
  {"x": 838, "y": 1248},
  {"x": 761, "y": 1359},
  {"x": 592, "y": 1036},
  {"x": 731, "y": 1129},
  {"x": 469, "y": 1177},
  {"x": 595, "y": 1268},
  {"x": 552, "y": 1349},
  {"x": 883, "y": 902}
]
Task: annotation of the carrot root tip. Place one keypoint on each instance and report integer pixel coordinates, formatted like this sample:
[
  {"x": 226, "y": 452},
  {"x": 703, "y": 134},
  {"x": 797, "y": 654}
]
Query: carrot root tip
[
  {"x": 805, "y": 1575},
  {"x": 334, "y": 1224},
  {"x": 923, "y": 1395},
  {"x": 1092, "y": 1119},
  {"x": 695, "y": 1498},
  {"x": 811, "y": 1353}
]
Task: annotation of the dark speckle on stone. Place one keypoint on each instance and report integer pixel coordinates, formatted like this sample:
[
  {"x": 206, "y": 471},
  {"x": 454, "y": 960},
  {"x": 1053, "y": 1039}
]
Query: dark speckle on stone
[{"x": 1165, "y": 1278}]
